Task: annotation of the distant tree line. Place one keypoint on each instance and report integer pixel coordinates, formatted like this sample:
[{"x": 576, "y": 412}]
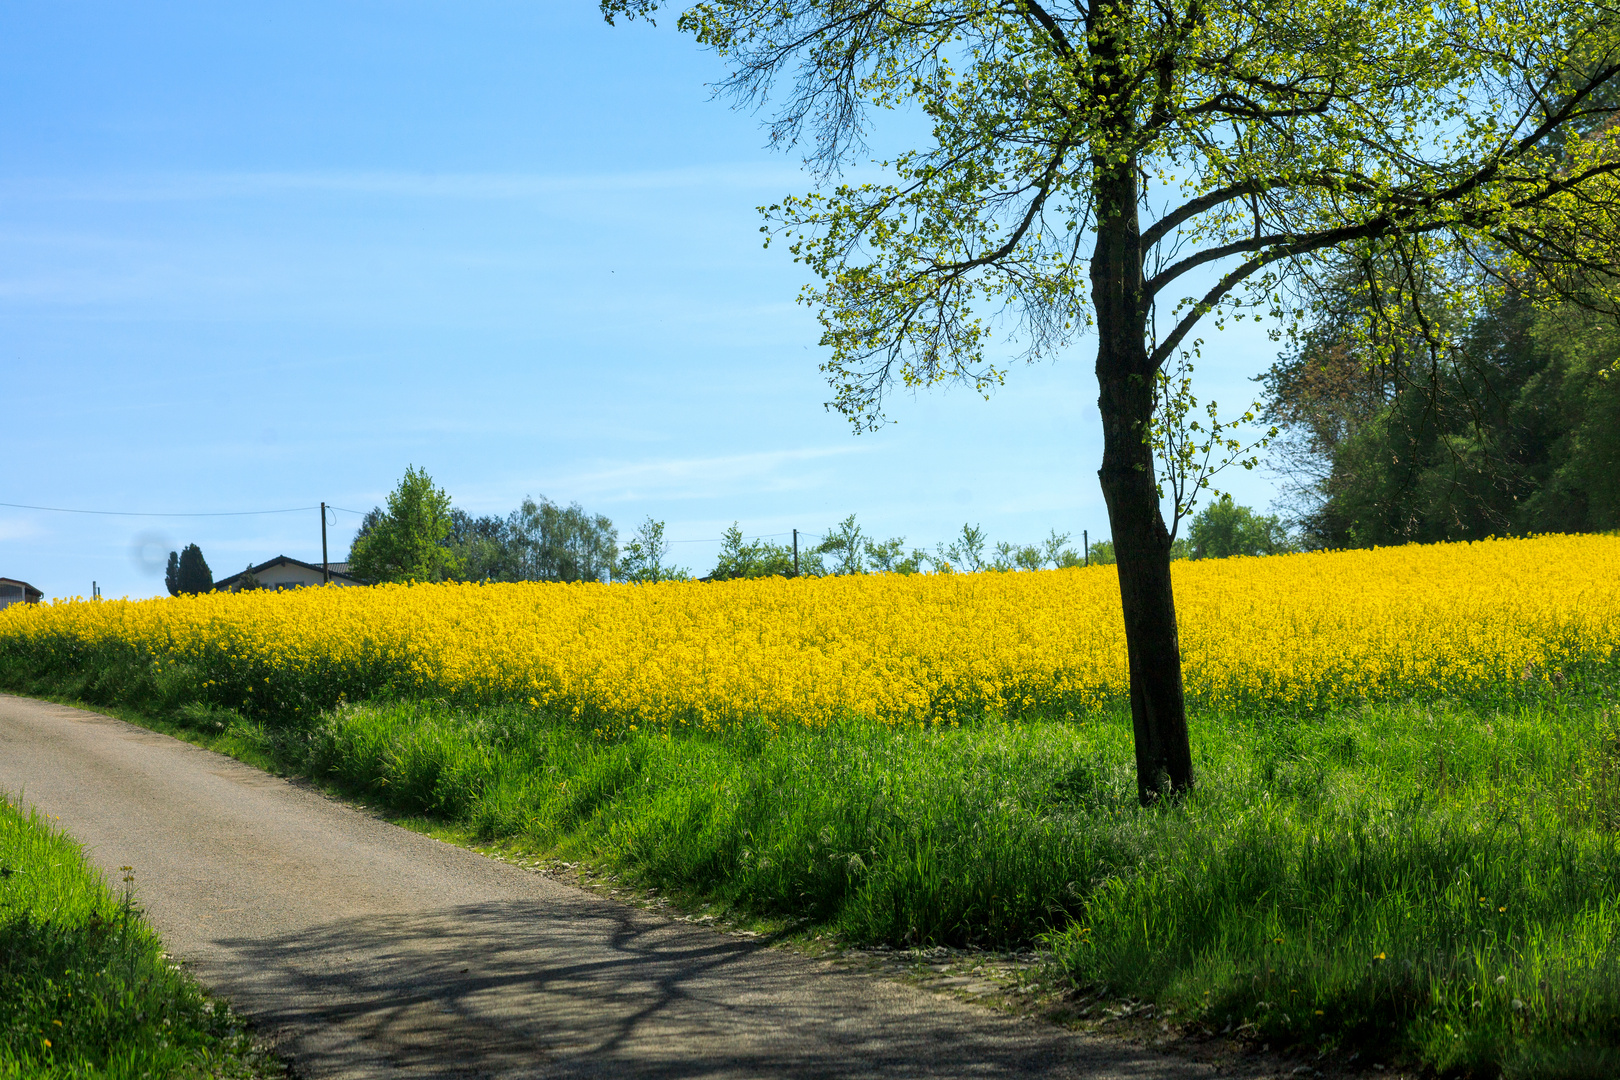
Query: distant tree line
[
  {"x": 1506, "y": 423},
  {"x": 1222, "y": 529},
  {"x": 417, "y": 535},
  {"x": 420, "y": 536}
]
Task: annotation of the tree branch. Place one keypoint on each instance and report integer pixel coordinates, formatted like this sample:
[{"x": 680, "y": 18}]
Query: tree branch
[
  {"x": 1035, "y": 11},
  {"x": 1236, "y": 247},
  {"x": 1191, "y": 209}
]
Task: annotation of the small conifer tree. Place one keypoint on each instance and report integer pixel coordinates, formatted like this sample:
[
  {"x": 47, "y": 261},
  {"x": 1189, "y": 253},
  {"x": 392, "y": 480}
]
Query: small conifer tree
[{"x": 192, "y": 574}]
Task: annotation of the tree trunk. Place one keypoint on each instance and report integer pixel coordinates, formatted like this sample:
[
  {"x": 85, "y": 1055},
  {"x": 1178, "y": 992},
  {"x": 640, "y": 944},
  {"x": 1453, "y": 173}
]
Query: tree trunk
[
  {"x": 1141, "y": 541},
  {"x": 1142, "y": 547}
]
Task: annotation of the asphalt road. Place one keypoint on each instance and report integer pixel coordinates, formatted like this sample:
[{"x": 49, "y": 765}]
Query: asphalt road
[{"x": 366, "y": 950}]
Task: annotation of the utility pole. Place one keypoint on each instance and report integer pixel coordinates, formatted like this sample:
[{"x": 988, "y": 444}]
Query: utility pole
[
  {"x": 795, "y": 552},
  {"x": 1085, "y": 541},
  {"x": 326, "y": 569}
]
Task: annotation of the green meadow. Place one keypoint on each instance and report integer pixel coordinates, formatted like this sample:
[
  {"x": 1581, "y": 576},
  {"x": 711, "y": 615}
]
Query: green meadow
[{"x": 1420, "y": 884}]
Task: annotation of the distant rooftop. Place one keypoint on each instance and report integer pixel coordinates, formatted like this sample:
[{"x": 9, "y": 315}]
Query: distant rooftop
[
  {"x": 13, "y": 591},
  {"x": 286, "y": 572}
]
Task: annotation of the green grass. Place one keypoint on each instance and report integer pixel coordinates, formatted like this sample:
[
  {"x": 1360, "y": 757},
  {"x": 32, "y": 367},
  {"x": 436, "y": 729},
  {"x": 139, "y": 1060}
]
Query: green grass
[
  {"x": 1437, "y": 880},
  {"x": 86, "y": 990},
  {"x": 1434, "y": 884}
]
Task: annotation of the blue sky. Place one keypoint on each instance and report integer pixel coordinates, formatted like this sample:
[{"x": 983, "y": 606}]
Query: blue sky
[{"x": 257, "y": 258}]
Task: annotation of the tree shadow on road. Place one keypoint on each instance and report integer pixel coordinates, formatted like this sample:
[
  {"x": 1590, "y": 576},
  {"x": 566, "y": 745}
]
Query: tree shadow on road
[{"x": 597, "y": 990}]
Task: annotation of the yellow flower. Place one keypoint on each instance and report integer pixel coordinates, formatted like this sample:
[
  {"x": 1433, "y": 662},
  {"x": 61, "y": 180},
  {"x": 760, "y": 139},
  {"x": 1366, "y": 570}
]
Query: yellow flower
[{"x": 1298, "y": 630}]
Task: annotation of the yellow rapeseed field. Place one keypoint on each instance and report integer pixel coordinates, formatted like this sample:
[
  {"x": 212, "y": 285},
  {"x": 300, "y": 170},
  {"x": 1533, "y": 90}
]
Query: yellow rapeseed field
[{"x": 1292, "y": 630}]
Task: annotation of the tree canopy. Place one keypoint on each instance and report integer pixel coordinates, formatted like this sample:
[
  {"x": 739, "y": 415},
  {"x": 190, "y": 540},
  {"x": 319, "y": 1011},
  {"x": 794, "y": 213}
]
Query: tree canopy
[
  {"x": 1223, "y": 529},
  {"x": 756, "y": 558},
  {"x": 642, "y": 559},
  {"x": 419, "y": 536},
  {"x": 1136, "y": 167},
  {"x": 1513, "y": 429},
  {"x": 406, "y": 542},
  {"x": 1253, "y": 136},
  {"x": 562, "y": 543},
  {"x": 192, "y": 575}
]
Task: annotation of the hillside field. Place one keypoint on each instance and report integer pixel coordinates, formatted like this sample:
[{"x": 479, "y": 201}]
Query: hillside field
[{"x": 1402, "y": 843}]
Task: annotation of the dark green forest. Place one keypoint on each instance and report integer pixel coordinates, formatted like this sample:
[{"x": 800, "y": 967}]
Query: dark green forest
[{"x": 1507, "y": 425}]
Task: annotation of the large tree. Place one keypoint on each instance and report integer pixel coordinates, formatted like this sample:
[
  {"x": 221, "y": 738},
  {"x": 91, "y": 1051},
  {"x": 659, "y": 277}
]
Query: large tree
[
  {"x": 406, "y": 542},
  {"x": 1134, "y": 167}
]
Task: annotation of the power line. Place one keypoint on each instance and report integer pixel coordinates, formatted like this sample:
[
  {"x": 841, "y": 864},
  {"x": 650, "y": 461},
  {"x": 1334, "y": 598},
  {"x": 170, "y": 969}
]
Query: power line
[
  {"x": 133, "y": 513},
  {"x": 721, "y": 539},
  {"x": 301, "y": 510}
]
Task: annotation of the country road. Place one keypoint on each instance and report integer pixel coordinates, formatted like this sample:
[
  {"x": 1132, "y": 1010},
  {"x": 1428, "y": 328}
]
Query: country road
[{"x": 365, "y": 950}]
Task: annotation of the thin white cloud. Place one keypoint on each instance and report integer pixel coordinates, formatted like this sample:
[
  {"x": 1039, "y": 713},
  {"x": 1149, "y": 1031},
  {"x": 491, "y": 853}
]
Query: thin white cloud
[
  {"x": 668, "y": 479},
  {"x": 17, "y": 528},
  {"x": 190, "y": 186}
]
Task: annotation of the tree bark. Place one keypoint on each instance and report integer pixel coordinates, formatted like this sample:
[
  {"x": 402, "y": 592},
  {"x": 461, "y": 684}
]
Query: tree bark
[
  {"x": 1141, "y": 541},
  {"x": 1142, "y": 548}
]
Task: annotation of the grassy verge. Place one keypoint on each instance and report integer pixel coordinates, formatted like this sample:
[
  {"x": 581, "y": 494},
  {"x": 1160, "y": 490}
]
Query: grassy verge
[
  {"x": 1440, "y": 881},
  {"x": 1435, "y": 884},
  {"x": 86, "y": 990}
]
